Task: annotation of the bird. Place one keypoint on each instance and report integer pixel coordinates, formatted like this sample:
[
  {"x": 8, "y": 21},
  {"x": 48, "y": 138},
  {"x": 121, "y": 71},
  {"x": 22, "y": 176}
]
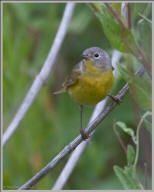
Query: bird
[{"x": 90, "y": 80}]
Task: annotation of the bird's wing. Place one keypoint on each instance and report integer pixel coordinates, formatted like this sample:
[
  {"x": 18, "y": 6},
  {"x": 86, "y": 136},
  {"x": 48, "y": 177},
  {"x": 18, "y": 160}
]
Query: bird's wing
[{"x": 73, "y": 77}]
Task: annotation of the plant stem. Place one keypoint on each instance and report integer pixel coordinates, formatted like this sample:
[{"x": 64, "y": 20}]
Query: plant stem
[
  {"x": 129, "y": 16},
  {"x": 116, "y": 15},
  {"x": 137, "y": 147},
  {"x": 145, "y": 175},
  {"x": 137, "y": 138},
  {"x": 145, "y": 63},
  {"x": 42, "y": 76},
  {"x": 120, "y": 140}
]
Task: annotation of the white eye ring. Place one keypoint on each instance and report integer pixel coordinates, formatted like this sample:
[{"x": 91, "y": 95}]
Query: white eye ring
[{"x": 96, "y": 55}]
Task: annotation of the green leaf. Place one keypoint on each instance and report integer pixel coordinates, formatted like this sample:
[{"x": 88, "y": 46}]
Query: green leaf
[
  {"x": 143, "y": 91},
  {"x": 143, "y": 30},
  {"x": 129, "y": 131},
  {"x": 117, "y": 7},
  {"x": 140, "y": 87},
  {"x": 130, "y": 175},
  {"x": 130, "y": 154},
  {"x": 122, "y": 177},
  {"x": 121, "y": 38},
  {"x": 147, "y": 119},
  {"x": 148, "y": 124},
  {"x": 126, "y": 179}
]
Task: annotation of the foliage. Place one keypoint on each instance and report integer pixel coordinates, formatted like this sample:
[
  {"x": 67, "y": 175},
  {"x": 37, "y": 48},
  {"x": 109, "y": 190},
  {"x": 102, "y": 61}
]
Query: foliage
[
  {"x": 28, "y": 32},
  {"x": 120, "y": 37},
  {"x": 140, "y": 87},
  {"x": 127, "y": 175}
]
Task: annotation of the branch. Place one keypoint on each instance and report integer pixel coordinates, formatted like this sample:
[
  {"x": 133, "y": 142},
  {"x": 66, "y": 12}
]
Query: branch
[
  {"x": 43, "y": 75},
  {"x": 116, "y": 15},
  {"x": 143, "y": 60},
  {"x": 145, "y": 176},
  {"x": 129, "y": 16},
  {"x": 72, "y": 145},
  {"x": 74, "y": 158},
  {"x": 70, "y": 165},
  {"x": 140, "y": 55},
  {"x": 120, "y": 140},
  {"x": 126, "y": 13}
]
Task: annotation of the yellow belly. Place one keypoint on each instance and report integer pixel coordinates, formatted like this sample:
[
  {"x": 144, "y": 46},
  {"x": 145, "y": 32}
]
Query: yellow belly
[{"x": 92, "y": 87}]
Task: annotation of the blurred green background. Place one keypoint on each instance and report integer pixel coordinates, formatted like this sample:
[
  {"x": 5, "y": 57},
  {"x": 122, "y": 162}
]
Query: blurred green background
[{"x": 53, "y": 121}]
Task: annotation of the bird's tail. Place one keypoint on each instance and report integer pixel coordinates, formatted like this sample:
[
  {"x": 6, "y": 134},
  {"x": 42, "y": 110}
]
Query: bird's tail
[{"x": 63, "y": 90}]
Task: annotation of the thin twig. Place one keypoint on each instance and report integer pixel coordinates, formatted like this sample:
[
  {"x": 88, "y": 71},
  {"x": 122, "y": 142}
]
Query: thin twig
[
  {"x": 144, "y": 17},
  {"x": 72, "y": 145},
  {"x": 69, "y": 167},
  {"x": 123, "y": 10},
  {"x": 143, "y": 60},
  {"x": 147, "y": 113},
  {"x": 140, "y": 56},
  {"x": 43, "y": 75},
  {"x": 116, "y": 15},
  {"x": 137, "y": 147},
  {"x": 75, "y": 156},
  {"x": 128, "y": 16},
  {"x": 145, "y": 176},
  {"x": 120, "y": 140},
  {"x": 138, "y": 181}
]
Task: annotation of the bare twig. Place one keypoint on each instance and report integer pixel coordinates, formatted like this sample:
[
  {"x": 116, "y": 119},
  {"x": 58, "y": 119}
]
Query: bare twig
[
  {"x": 43, "y": 75},
  {"x": 120, "y": 140},
  {"x": 137, "y": 147},
  {"x": 75, "y": 156},
  {"x": 140, "y": 56},
  {"x": 123, "y": 10},
  {"x": 70, "y": 165},
  {"x": 72, "y": 145},
  {"x": 143, "y": 60},
  {"x": 128, "y": 16},
  {"x": 116, "y": 15},
  {"x": 138, "y": 181},
  {"x": 144, "y": 17},
  {"x": 146, "y": 175}
]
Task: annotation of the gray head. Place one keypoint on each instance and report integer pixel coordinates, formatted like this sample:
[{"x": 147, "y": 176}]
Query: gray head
[{"x": 98, "y": 56}]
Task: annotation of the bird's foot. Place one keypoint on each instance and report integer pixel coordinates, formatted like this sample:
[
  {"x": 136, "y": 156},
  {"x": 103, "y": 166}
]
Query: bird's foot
[
  {"x": 84, "y": 135},
  {"x": 116, "y": 99}
]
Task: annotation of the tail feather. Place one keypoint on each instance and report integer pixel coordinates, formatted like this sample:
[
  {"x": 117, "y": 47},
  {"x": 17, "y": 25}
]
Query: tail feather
[{"x": 63, "y": 90}]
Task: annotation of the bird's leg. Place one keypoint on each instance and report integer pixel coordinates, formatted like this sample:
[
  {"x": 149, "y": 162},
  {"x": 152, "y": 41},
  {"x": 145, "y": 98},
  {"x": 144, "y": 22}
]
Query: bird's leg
[
  {"x": 116, "y": 99},
  {"x": 82, "y": 131}
]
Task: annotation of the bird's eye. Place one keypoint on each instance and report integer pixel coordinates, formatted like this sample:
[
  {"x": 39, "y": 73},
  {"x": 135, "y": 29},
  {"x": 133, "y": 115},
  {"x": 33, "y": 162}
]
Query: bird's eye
[{"x": 96, "y": 55}]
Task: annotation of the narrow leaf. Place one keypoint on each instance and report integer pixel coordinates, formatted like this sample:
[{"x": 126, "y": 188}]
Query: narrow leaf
[
  {"x": 130, "y": 154},
  {"x": 129, "y": 131},
  {"x": 141, "y": 88},
  {"x": 126, "y": 179},
  {"x": 130, "y": 175},
  {"x": 120, "y": 37}
]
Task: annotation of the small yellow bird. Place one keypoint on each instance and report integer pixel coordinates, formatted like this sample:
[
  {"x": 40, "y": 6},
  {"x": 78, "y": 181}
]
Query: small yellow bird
[{"x": 90, "y": 80}]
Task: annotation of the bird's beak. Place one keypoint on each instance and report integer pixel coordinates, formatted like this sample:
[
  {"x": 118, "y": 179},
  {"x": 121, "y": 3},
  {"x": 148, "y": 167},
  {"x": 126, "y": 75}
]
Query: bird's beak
[{"x": 85, "y": 56}]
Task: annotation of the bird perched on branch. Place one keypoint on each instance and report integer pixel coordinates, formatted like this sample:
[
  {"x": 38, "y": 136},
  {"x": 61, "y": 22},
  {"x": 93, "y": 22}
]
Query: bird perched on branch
[{"x": 90, "y": 80}]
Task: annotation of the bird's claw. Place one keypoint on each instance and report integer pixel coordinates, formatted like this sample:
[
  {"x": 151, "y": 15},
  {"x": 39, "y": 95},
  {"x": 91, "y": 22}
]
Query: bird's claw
[
  {"x": 116, "y": 99},
  {"x": 84, "y": 135}
]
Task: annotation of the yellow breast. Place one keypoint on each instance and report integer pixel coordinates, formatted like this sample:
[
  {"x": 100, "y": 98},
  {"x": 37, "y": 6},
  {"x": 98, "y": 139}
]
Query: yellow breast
[{"x": 92, "y": 86}]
